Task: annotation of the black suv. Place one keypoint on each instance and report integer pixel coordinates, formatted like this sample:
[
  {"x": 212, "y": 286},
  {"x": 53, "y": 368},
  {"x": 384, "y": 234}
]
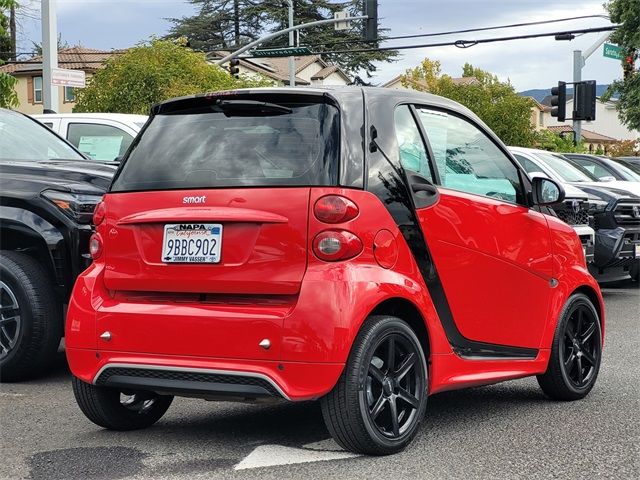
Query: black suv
[{"x": 48, "y": 191}]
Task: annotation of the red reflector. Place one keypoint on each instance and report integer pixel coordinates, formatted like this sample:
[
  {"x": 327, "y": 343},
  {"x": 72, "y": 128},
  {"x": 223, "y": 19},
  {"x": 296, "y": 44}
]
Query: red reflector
[
  {"x": 335, "y": 209},
  {"x": 99, "y": 213},
  {"x": 335, "y": 245},
  {"x": 95, "y": 246}
]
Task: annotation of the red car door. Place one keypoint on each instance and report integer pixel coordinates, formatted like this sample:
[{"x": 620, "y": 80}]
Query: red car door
[{"x": 492, "y": 254}]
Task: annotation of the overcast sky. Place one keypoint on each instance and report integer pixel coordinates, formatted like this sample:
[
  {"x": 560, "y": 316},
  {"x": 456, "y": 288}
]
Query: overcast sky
[{"x": 538, "y": 63}]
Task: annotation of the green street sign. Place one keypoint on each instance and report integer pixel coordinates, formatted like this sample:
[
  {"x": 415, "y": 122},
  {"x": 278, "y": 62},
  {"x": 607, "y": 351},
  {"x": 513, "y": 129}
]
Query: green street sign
[
  {"x": 612, "y": 51},
  {"x": 282, "y": 52}
]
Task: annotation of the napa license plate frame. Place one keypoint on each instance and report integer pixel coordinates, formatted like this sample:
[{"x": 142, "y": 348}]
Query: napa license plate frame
[{"x": 192, "y": 243}]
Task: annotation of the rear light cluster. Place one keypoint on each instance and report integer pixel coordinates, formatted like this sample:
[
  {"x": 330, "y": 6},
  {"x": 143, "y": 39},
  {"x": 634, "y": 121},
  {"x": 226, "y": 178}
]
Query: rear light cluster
[
  {"x": 95, "y": 242},
  {"x": 336, "y": 244},
  {"x": 95, "y": 246}
]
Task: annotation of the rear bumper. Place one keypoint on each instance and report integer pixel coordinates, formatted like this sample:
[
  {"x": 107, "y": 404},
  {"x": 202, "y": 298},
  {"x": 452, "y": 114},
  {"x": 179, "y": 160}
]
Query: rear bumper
[{"x": 208, "y": 378}]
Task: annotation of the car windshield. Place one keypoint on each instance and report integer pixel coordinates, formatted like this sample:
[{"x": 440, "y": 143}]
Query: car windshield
[
  {"x": 627, "y": 173},
  {"x": 25, "y": 140},
  {"x": 565, "y": 169},
  {"x": 635, "y": 167},
  {"x": 235, "y": 143}
]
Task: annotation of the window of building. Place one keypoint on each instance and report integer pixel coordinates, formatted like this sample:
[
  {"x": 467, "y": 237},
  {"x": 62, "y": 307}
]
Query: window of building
[
  {"x": 541, "y": 119},
  {"x": 37, "y": 89},
  {"x": 69, "y": 94}
]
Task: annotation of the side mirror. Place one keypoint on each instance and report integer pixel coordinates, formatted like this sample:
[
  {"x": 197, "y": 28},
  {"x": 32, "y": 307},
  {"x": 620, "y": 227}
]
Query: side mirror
[
  {"x": 607, "y": 178},
  {"x": 546, "y": 191}
]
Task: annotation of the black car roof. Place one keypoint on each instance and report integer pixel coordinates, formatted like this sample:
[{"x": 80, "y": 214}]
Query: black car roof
[{"x": 337, "y": 92}]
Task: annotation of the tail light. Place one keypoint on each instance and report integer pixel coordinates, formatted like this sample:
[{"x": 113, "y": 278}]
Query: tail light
[
  {"x": 95, "y": 246},
  {"x": 99, "y": 213},
  {"x": 335, "y": 245},
  {"x": 335, "y": 209}
]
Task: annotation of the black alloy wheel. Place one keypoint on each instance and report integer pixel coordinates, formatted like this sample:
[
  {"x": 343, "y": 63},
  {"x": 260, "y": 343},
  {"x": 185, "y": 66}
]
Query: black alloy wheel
[
  {"x": 580, "y": 347},
  {"x": 379, "y": 401},
  {"x": 576, "y": 351},
  {"x": 10, "y": 320},
  {"x": 393, "y": 386}
]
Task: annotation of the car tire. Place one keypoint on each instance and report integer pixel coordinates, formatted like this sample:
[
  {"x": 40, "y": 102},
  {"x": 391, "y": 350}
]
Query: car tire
[
  {"x": 576, "y": 352},
  {"x": 115, "y": 409},
  {"x": 635, "y": 272},
  {"x": 386, "y": 372},
  {"x": 30, "y": 318}
]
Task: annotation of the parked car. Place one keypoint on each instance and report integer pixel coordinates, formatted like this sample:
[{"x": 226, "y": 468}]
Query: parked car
[
  {"x": 578, "y": 206},
  {"x": 100, "y": 136},
  {"x": 635, "y": 166},
  {"x": 47, "y": 195},
  {"x": 616, "y": 215},
  {"x": 632, "y": 160},
  {"x": 365, "y": 247},
  {"x": 604, "y": 168}
]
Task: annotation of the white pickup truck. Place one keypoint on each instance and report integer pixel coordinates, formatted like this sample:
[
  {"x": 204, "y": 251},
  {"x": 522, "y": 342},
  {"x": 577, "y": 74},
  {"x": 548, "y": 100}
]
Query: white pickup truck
[{"x": 100, "y": 136}]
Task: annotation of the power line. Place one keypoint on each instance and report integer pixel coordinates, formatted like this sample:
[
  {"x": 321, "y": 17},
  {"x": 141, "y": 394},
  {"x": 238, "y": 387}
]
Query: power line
[
  {"x": 468, "y": 30},
  {"x": 467, "y": 43}
]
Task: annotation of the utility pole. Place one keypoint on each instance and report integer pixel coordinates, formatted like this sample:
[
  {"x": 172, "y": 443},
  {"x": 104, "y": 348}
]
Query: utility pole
[
  {"x": 49, "y": 54},
  {"x": 292, "y": 41},
  {"x": 12, "y": 31},
  {"x": 579, "y": 61}
]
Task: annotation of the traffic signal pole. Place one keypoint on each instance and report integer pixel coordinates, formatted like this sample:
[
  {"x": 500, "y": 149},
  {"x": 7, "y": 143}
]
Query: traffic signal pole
[
  {"x": 292, "y": 40},
  {"x": 579, "y": 61},
  {"x": 49, "y": 54},
  {"x": 273, "y": 35}
]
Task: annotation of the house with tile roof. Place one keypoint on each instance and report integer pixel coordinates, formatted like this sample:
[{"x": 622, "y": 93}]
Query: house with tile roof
[
  {"x": 28, "y": 74},
  {"x": 310, "y": 69}
]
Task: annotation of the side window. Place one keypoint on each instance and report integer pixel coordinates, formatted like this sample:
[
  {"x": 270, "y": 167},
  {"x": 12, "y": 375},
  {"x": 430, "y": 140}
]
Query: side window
[
  {"x": 413, "y": 153},
  {"x": 99, "y": 142},
  {"x": 468, "y": 160},
  {"x": 527, "y": 164},
  {"x": 592, "y": 167}
]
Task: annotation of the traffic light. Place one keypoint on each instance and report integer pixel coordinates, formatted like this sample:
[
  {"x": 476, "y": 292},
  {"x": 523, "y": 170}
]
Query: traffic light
[
  {"x": 371, "y": 23},
  {"x": 584, "y": 101},
  {"x": 559, "y": 101},
  {"x": 234, "y": 68},
  {"x": 629, "y": 65}
]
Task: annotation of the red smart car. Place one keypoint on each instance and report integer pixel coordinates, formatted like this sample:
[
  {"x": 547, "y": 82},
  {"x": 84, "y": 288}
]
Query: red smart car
[{"x": 360, "y": 246}]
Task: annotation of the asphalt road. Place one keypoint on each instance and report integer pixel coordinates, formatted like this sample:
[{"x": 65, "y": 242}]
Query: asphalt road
[{"x": 505, "y": 431}]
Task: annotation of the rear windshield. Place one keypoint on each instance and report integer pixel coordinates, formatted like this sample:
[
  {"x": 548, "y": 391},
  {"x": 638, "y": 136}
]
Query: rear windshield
[{"x": 235, "y": 144}]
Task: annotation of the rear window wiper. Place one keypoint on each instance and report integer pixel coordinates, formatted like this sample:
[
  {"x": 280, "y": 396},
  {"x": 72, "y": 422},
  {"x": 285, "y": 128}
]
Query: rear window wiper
[{"x": 250, "y": 107}]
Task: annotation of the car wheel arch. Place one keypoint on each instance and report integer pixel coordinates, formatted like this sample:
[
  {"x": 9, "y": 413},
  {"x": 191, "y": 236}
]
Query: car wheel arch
[
  {"x": 409, "y": 312},
  {"x": 595, "y": 299}
]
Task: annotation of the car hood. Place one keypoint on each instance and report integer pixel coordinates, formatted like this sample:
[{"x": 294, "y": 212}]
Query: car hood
[
  {"x": 618, "y": 187},
  {"x": 572, "y": 191},
  {"x": 606, "y": 191},
  {"x": 78, "y": 176}
]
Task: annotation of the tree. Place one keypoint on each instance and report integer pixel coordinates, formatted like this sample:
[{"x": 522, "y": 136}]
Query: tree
[
  {"x": 153, "y": 72},
  {"x": 62, "y": 44},
  {"x": 216, "y": 27},
  {"x": 495, "y": 102},
  {"x": 219, "y": 24},
  {"x": 627, "y": 14},
  {"x": 8, "y": 97},
  {"x": 624, "y": 148},
  {"x": 548, "y": 140}
]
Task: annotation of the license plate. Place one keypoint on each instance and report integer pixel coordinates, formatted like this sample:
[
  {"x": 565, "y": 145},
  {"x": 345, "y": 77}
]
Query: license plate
[{"x": 192, "y": 243}]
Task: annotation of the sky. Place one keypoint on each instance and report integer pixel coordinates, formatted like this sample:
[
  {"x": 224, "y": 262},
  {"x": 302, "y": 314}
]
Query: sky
[{"x": 537, "y": 63}]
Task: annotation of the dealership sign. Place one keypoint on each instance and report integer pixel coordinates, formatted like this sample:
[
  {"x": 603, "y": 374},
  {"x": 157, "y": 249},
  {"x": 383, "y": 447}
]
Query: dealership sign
[{"x": 68, "y": 78}]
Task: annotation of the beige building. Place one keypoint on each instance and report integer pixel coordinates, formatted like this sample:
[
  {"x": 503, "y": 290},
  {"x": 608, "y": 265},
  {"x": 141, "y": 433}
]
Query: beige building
[
  {"x": 310, "y": 70},
  {"x": 28, "y": 73}
]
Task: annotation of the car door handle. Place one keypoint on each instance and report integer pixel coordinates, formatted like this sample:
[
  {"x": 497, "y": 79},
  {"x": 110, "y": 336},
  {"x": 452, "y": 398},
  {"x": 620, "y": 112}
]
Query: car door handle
[{"x": 424, "y": 187}]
